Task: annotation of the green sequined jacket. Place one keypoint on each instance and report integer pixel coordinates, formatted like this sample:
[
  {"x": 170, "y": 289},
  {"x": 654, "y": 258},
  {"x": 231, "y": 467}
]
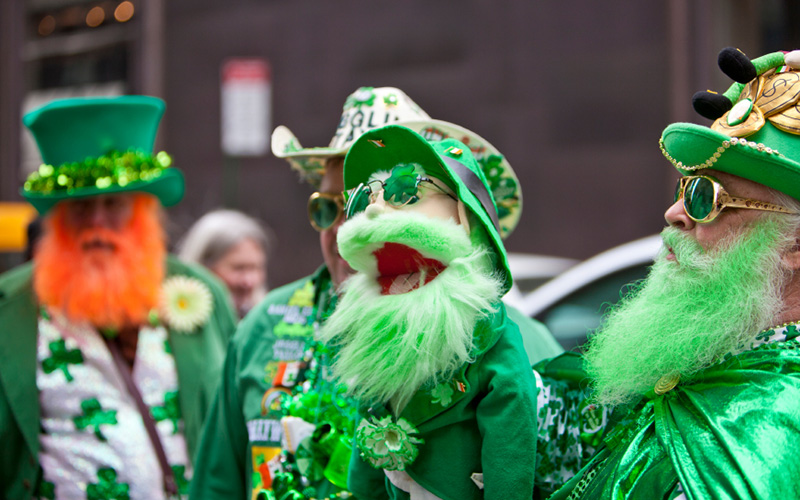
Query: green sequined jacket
[{"x": 198, "y": 360}]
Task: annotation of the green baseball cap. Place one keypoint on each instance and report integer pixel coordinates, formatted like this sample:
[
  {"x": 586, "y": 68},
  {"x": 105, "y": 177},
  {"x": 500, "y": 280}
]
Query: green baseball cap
[
  {"x": 448, "y": 160},
  {"x": 99, "y": 145},
  {"x": 757, "y": 135}
]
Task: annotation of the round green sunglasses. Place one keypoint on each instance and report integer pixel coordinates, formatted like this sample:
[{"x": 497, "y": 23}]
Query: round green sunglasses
[
  {"x": 325, "y": 210},
  {"x": 704, "y": 199},
  {"x": 400, "y": 189}
]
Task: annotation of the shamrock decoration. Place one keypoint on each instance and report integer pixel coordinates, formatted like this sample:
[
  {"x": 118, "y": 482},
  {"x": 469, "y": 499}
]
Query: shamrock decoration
[
  {"x": 94, "y": 416},
  {"x": 442, "y": 394},
  {"x": 390, "y": 100},
  {"x": 171, "y": 410},
  {"x": 765, "y": 335},
  {"x": 386, "y": 444},
  {"x": 402, "y": 185},
  {"x": 361, "y": 97},
  {"x": 61, "y": 358},
  {"x": 180, "y": 478},
  {"x": 107, "y": 487}
]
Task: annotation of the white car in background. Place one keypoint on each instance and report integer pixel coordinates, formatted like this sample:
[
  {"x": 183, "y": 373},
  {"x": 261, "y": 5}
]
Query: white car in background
[{"x": 572, "y": 303}]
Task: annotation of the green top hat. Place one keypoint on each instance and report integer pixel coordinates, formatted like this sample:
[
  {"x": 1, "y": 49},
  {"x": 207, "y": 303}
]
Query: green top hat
[
  {"x": 756, "y": 134},
  {"x": 93, "y": 146},
  {"x": 448, "y": 160}
]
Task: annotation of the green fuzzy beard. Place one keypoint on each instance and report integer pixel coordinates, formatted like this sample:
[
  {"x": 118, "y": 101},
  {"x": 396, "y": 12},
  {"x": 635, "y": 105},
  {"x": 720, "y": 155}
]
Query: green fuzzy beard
[
  {"x": 391, "y": 345},
  {"x": 688, "y": 314}
]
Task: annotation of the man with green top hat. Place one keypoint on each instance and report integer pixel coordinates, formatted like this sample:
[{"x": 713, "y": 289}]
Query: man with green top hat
[
  {"x": 110, "y": 348},
  {"x": 280, "y": 424},
  {"x": 445, "y": 390},
  {"x": 701, "y": 361}
]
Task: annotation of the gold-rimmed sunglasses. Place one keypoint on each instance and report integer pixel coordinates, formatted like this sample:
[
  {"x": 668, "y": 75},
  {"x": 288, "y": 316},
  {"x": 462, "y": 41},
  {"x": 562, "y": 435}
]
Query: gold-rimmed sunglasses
[
  {"x": 325, "y": 210},
  {"x": 704, "y": 199}
]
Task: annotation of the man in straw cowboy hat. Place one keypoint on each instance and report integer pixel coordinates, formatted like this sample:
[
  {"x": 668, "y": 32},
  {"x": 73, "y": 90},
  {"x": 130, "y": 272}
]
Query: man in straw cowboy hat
[
  {"x": 700, "y": 362},
  {"x": 110, "y": 348},
  {"x": 281, "y": 425}
]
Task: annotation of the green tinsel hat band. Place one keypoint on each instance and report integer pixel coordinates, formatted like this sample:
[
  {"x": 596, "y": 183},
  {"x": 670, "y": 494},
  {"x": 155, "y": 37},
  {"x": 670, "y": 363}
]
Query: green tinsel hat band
[{"x": 113, "y": 169}]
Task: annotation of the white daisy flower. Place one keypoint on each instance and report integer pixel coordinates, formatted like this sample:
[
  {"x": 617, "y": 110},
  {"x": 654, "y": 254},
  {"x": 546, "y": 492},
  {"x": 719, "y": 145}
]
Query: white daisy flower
[{"x": 186, "y": 303}]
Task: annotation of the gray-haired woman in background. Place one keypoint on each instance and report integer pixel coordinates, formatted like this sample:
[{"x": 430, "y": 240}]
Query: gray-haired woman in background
[{"x": 233, "y": 246}]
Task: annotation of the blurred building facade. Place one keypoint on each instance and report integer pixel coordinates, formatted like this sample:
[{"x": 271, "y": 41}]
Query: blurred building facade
[{"x": 574, "y": 93}]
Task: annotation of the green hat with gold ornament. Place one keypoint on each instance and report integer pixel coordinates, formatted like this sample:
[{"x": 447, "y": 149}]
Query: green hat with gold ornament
[
  {"x": 756, "y": 132},
  {"x": 448, "y": 160},
  {"x": 99, "y": 145}
]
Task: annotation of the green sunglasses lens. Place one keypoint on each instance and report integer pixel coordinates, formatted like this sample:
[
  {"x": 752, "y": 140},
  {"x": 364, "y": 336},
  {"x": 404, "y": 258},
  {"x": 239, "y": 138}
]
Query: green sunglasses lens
[
  {"x": 698, "y": 198},
  {"x": 324, "y": 212},
  {"x": 402, "y": 187},
  {"x": 358, "y": 200},
  {"x": 678, "y": 190}
]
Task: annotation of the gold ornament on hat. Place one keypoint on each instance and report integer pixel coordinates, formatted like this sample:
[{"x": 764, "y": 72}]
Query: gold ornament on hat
[{"x": 775, "y": 96}]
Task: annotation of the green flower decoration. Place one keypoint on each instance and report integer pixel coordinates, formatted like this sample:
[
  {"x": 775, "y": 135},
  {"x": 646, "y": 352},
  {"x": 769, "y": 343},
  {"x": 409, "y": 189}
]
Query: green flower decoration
[
  {"x": 113, "y": 169},
  {"x": 402, "y": 184},
  {"x": 442, "y": 394},
  {"x": 386, "y": 444}
]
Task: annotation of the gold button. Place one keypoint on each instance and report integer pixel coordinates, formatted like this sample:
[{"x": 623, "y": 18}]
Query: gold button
[{"x": 667, "y": 383}]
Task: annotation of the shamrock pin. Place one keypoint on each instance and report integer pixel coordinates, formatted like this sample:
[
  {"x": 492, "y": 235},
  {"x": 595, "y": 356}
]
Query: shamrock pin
[{"x": 442, "y": 394}]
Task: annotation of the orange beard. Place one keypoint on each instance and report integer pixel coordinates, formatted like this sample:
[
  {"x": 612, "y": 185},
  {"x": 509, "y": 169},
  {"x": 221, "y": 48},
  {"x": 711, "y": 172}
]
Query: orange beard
[{"x": 109, "y": 278}]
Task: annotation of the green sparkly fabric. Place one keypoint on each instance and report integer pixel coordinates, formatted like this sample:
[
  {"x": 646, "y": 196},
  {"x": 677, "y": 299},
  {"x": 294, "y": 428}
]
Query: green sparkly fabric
[
  {"x": 113, "y": 169},
  {"x": 726, "y": 433}
]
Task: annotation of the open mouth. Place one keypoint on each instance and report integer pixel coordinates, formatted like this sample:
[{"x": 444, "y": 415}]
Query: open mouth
[{"x": 402, "y": 269}]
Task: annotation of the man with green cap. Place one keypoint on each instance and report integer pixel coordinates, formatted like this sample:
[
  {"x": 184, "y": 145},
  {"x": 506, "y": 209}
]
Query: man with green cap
[
  {"x": 445, "y": 390},
  {"x": 700, "y": 363},
  {"x": 110, "y": 349},
  {"x": 280, "y": 425}
]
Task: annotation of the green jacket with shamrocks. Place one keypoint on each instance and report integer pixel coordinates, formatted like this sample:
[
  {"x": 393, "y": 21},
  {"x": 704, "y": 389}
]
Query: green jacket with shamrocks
[
  {"x": 198, "y": 358},
  {"x": 478, "y": 429}
]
